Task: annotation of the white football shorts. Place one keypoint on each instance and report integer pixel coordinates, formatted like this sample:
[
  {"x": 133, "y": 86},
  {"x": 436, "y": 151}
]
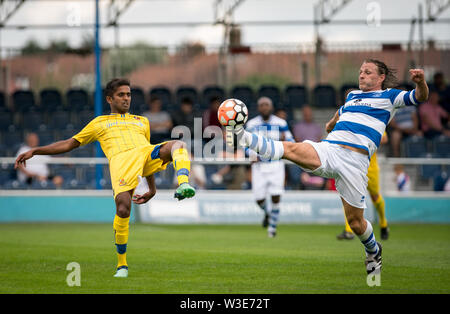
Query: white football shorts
[
  {"x": 348, "y": 168},
  {"x": 267, "y": 179}
]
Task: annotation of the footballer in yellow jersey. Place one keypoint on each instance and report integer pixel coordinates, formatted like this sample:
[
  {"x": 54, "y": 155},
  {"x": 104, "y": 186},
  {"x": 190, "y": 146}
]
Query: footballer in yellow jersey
[
  {"x": 125, "y": 140},
  {"x": 373, "y": 186}
]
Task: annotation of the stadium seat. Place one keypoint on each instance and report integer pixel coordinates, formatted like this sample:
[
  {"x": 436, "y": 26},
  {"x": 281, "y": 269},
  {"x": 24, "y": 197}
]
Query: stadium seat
[
  {"x": 42, "y": 185},
  {"x": 429, "y": 171},
  {"x": 295, "y": 96},
  {"x": 415, "y": 146},
  {"x": 324, "y": 96},
  {"x": 83, "y": 118},
  {"x": 245, "y": 94},
  {"x": 46, "y": 137},
  {"x": 3, "y": 107},
  {"x": 23, "y": 100},
  {"x": 12, "y": 140},
  {"x": 32, "y": 120},
  {"x": 15, "y": 185},
  {"x": 50, "y": 100},
  {"x": 210, "y": 92},
  {"x": 77, "y": 99},
  {"x": 441, "y": 146},
  {"x": 187, "y": 92},
  {"x": 164, "y": 94},
  {"x": 59, "y": 120},
  {"x": 271, "y": 91},
  {"x": 6, "y": 119},
  {"x": 344, "y": 91},
  {"x": 84, "y": 151},
  {"x": 138, "y": 102}
]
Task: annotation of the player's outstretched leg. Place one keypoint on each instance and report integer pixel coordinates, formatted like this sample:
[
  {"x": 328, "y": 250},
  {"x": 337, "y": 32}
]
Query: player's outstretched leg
[
  {"x": 265, "y": 147},
  {"x": 176, "y": 152}
]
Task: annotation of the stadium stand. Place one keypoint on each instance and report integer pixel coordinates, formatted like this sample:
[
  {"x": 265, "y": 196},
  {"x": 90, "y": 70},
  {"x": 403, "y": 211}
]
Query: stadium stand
[
  {"x": 23, "y": 100},
  {"x": 441, "y": 146},
  {"x": 343, "y": 91},
  {"x": 272, "y": 92},
  {"x": 245, "y": 94},
  {"x": 324, "y": 96},
  {"x": 77, "y": 99},
  {"x": 138, "y": 101},
  {"x": 164, "y": 94},
  {"x": 295, "y": 96},
  {"x": 190, "y": 92},
  {"x": 415, "y": 146},
  {"x": 50, "y": 100},
  {"x": 210, "y": 92}
]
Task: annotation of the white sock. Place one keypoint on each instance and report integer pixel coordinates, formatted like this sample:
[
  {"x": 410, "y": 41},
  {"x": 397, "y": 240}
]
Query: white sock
[
  {"x": 267, "y": 148},
  {"x": 368, "y": 240}
]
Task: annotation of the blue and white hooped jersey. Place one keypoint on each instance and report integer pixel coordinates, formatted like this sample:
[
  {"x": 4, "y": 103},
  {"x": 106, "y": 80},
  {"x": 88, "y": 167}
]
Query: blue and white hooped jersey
[{"x": 364, "y": 117}]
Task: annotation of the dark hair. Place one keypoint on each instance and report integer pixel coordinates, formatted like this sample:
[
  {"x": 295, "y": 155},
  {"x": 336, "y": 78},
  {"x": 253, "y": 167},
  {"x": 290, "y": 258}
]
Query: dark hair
[
  {"x": 114, "y": 84},
  {"x": 390, "y": 79},
  {"x": 187, "y": 101}
]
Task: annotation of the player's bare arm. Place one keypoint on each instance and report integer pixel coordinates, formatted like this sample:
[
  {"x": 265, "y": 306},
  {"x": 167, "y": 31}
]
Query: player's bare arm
[
  {"x": 330, "y": 124},
  {"x": 418, "y": 77},
  {"x": 144, "y": 198},
  {"x": 52, "y": 149}
]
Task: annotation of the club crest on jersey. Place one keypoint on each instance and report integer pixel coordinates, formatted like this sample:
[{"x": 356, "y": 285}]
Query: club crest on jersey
[
  {"x": 122, "y": 182},
  {"x": 137, "y": 118}
]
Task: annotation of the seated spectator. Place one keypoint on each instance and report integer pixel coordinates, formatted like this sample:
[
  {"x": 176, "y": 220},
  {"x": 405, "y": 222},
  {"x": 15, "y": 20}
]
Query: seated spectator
[
  {"x": 210, "y": 115},
  {"x": 431, "y": 116},
  {"x": 402, "y": 179},
  {"x": 36, "y": 168},
  {"x": 307, "y": 129},
  {"x": 440, "y": 87},
  {"x": 185, "y": 115},
  {"x": 160, "y": 121},
  {"x": 404, "y": 124}
]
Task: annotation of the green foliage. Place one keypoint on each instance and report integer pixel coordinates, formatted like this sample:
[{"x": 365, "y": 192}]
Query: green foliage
[
  {"x": 127, "y": 59},
  {"x": 255, "y": 81},
  {"x": 31, "y": 47}
]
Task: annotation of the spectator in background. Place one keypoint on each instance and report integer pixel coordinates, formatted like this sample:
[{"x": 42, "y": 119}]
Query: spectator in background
[
  {"x": 160, "y": 121},
  {"x": 36, "y": 168},
  {"x": 402, "y": 179},
  {"x": 210, "y": 116},
  {"x": 281, "y": 113},
  {"x": 431, "y": 116},
  {"x": 185, "y": 115},
  {"x": 404, "y": 124},
  {"x": 443, "y": 90},
  {"x": 307, "y": 129}
]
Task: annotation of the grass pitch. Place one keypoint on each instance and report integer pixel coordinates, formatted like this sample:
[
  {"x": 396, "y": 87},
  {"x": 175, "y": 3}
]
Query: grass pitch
[{"x": 220, "y": 259}]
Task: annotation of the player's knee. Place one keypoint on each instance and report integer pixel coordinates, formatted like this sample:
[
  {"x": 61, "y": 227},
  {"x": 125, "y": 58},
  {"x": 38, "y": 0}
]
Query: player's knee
[{"x": 123, "y": 211}]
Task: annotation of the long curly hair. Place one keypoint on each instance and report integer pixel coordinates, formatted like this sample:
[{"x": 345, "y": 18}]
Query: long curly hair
[{"x": 391, "y": 79}]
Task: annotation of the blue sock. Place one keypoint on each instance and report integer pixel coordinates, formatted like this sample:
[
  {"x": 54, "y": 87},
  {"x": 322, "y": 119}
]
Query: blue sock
[{"x": 368, "y": 240}]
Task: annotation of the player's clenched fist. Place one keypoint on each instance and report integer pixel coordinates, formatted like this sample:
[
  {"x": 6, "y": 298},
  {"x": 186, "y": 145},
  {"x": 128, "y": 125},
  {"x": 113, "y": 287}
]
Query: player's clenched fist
[{"x": 417, "y": 75}]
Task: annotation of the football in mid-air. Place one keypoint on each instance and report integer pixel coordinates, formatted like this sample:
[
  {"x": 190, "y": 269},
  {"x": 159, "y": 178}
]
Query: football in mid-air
[{"x": 232, "y": 112}]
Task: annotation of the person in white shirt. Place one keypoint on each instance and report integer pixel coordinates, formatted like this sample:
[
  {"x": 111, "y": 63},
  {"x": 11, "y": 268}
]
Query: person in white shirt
[{"x": 36, "y": 168}]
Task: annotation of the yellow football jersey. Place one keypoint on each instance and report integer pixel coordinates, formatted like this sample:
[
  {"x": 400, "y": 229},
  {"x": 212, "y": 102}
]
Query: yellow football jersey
[{"x": 116, "y": 133}]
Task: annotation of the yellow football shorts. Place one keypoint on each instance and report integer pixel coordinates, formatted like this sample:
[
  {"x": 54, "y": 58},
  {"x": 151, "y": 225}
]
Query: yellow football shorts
[
  {"x": 373, "y": 174},
  {"x": 127, "y": 166}
]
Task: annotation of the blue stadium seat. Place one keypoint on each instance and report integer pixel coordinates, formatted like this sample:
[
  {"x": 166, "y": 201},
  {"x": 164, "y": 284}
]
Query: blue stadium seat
[
  {"x": 51, "y": 100},
  {"x": 6, "y": 119},
  {"x": 245, "y": 94},
  {"x": 295, "y": 96},
  {"x": 138, "y": 102},
  {"x": 415, "y": 146},
  {"x": 23, "y": 100},
  {"x": 441, "y": 146},
  {"x": 344, "y": 91},
  {"x": 13, "y": 140},
  {"x": 83, "y": 117},
  {"x": 42, "y": 185},
  {"x": 15, "y": 185},
  {"x": 271, "y": 91},
  {"x": 84, "y": 151},
  {"x": 187, "y": 92},
  {"x": 210, "y": 92},
  {"x": 32, "y": 120},
  {"x": 46, "y": 137},
  {"x": 164, "y": 94},
  {"x": 324, "y": 96},
  {"x": 429, "y": 171},
  {"x": 77, "y": 99},
  {"x": 3, "y": 107},
  {"x": 59, "y": 120}
]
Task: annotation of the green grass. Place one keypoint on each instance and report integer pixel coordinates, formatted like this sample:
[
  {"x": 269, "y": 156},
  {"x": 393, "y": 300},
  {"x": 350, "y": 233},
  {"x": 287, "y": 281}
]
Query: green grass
[{"x": 220, "y": 259}]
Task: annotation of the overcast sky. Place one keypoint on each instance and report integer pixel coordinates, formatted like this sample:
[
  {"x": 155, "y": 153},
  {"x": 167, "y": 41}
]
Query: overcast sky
[{"x": 82, "y": 11}]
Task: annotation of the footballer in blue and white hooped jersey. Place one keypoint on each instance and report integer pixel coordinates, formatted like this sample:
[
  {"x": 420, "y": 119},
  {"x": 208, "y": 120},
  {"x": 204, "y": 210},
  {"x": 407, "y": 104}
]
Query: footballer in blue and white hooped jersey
[
  {"x": 364, "y": 117},
  {"x": 268, "y": 176}
]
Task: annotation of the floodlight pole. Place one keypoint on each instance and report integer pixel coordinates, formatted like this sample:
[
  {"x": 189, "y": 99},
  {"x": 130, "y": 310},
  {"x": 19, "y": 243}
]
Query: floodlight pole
[{"x": 98, "y": 90}]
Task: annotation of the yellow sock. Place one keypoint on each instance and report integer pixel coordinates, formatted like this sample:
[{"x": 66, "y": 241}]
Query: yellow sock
[
  {"x": 121, "y": 231},
  {"x": 380, "y": 207},
  {"x": 182, "y": 165}
]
